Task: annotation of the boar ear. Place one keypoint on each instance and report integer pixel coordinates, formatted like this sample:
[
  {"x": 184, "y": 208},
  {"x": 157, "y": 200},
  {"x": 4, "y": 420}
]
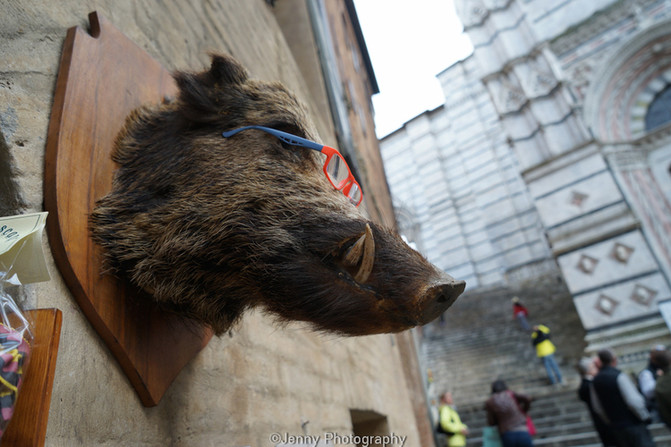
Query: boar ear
[
  {"x": 198, "y": 91},
  {"x": 227, "y": 70},
  {"x": 362, "y": 253}
]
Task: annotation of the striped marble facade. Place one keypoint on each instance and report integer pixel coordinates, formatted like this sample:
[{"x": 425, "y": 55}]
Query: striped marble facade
[{"x": 547, "y": 150}]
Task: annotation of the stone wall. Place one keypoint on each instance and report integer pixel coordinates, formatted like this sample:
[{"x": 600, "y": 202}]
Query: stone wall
[{"x": 260, "y": 379}]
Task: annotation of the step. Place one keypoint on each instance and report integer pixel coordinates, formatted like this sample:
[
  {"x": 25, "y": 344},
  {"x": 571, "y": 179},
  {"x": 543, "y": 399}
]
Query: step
[{"x": 480, "y": 342}]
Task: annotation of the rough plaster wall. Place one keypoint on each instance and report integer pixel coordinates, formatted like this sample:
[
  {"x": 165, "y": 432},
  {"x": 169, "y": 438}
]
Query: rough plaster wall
[{"x": 241, "y": 388}]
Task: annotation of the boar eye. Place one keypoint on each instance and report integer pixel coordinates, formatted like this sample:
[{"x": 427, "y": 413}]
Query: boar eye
[{"x": 364, "y": 287}]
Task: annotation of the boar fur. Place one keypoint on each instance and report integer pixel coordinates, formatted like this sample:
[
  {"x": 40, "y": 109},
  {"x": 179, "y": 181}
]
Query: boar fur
[{"x": 212, "y": 226}]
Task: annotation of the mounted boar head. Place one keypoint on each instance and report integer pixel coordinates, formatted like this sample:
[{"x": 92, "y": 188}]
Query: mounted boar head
[{"x": 211, "y": 226}]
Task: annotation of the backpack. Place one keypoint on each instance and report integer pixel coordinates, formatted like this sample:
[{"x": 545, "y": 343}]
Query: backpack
[{"x": 440, "y": 429}]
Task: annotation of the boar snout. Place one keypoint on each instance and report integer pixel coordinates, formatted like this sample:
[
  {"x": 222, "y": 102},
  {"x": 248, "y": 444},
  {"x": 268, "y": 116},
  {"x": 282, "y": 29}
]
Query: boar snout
[{"x": 439, "y": 297}]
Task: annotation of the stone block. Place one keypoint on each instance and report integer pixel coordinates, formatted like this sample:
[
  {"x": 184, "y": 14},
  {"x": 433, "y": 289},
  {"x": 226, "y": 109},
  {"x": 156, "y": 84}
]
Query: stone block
[
  {"x": 622, "y": 302},
  {"x": 577, "y": 199},
  {"x": 608, "y": 262}
]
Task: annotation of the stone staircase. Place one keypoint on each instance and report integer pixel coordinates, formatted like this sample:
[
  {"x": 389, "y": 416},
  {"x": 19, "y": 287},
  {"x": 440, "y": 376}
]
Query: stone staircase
[
  {"x": 561, "y": 419},
  {"x": 479, "y": 342}
]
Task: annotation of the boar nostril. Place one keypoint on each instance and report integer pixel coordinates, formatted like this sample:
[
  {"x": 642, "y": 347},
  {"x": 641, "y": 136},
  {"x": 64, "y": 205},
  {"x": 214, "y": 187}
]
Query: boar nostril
[{"x": 438, "y": 298}]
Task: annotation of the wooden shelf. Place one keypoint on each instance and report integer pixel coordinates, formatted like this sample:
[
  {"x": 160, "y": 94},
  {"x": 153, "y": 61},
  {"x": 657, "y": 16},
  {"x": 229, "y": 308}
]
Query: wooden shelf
[{"x": 28, "y": 426}]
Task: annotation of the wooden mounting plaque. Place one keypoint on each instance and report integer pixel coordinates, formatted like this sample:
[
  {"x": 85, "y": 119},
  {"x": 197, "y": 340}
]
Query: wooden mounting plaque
[{"x": 102, "y": 77}]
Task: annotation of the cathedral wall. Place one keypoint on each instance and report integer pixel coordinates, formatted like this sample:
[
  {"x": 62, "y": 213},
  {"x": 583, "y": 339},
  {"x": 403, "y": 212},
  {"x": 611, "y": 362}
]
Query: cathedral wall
[{"x": 570, "y": 83}]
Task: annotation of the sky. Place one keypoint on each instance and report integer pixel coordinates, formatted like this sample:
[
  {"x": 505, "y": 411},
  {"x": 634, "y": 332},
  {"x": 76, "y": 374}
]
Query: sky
[{"x": 409, "y": 43}]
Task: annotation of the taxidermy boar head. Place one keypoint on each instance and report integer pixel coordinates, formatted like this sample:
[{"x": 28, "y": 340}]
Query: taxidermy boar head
[{"x": 211, "y": 225}]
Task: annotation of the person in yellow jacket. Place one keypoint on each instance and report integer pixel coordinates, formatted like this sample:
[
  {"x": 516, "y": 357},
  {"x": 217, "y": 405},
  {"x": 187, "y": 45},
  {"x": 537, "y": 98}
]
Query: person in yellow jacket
[
  {"x": 545, "y": 350},
  {"x": 450, "y": 422}
]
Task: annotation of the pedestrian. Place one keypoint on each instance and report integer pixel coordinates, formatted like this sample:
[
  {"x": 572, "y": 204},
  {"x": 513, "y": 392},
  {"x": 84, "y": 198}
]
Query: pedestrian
[
  {"x": 508, "y": 411},
  {"x": 647, "y": 379},
  {"x": 545, "y": 349},
  {"x": 450, "y": 422},
  {"x": 618, "y": 403},
  {"x": 588, "y": 368},
  {"x": 663, "y": 389},
  {"x": 520, "y": 313}
]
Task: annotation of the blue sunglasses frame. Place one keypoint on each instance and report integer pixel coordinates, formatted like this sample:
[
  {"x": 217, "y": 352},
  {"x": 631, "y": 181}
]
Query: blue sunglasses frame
[{"x": 349, "y": 186}]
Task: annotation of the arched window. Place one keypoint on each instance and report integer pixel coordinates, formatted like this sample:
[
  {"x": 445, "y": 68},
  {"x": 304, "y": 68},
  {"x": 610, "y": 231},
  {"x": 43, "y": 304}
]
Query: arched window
[
  {"x": 630, "y": 92},
  {"x": 659, "y": 111}
]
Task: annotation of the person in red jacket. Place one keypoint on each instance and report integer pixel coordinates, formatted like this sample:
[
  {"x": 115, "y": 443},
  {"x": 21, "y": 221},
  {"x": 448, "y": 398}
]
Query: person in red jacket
[{"x": 520, "y": 313}]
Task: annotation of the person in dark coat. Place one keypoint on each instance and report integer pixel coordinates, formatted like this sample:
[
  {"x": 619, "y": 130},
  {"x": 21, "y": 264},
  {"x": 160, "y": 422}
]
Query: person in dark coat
[
  {"x": 663, "y": 389},
  {"x": 588, "y": 369},
  {"x": 617, "y": 401},
  {"x": 647, "y": 378}
]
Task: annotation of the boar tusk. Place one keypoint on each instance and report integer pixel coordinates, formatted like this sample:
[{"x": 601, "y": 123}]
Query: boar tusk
[
  {"x": 363, "y": 253},
  {"x": 368, "y": 257},
  {"x": 353, "y": 254}
]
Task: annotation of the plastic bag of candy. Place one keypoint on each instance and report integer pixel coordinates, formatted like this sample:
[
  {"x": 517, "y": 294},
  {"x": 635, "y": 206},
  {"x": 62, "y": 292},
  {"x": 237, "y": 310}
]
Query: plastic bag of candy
[
  {"x": 15, "y": 341},
  {"x": 21, "y": 262}
]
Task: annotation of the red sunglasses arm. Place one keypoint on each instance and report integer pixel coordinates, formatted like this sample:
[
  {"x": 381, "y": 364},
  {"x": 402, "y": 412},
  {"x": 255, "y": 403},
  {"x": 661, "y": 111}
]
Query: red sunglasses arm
[{"x": 329, "y": 151}]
